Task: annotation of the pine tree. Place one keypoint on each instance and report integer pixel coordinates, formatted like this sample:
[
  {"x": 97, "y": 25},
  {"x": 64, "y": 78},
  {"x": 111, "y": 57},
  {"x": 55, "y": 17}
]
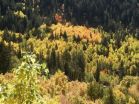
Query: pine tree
[
  {"x": 66, "y": 59},
  {"x": 52, "y": 60},
  {"x": 95, "y": 91},
  {"x": 97, "y": 73},
  {"x": 6, "y": 35},
  {"x": 65, "y": 36},
  {"x": 5, "y": 56}
]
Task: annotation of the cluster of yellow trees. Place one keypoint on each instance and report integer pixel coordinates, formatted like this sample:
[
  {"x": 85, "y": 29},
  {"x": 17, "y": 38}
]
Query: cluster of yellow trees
[
  {"x": 104, "y": 65},
  {"x": 89, "y": 34},
  {"x": 26, "y": 85}
]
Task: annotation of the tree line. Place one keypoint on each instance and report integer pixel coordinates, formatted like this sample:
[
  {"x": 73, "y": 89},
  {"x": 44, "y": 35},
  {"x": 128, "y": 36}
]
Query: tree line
[{"x": 111, "y": 14}]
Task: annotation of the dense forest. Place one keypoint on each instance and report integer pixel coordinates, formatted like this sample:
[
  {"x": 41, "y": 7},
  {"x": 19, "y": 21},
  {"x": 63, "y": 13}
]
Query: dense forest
[
  {"x": 110, "y": 14},
  {"x": 69, "y": 51}
]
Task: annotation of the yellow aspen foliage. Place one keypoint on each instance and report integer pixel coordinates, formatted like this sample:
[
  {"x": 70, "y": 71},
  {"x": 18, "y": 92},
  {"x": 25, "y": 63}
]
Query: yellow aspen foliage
[
  {"x": 131, "y": 101},
  {"x": 91, "y": 34},
  {"x": 119, "y": 96},
  {"x": 20, "y": 14}
]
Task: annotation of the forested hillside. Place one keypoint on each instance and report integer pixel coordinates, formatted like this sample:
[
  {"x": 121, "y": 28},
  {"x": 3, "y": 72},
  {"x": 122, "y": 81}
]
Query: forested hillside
[
  {"x": 69, "y": 51},
  {"x": 22, "y": 15}
]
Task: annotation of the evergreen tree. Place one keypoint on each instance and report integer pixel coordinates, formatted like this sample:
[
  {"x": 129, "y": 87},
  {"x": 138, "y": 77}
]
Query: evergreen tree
[
  {"x": 5, "y": 57},
  {"x": 95, "y": 91},
  {"x": 97, "y": 73},
  {"x": 52, "y": 61},
  {"x": 6, "y": 35}
]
